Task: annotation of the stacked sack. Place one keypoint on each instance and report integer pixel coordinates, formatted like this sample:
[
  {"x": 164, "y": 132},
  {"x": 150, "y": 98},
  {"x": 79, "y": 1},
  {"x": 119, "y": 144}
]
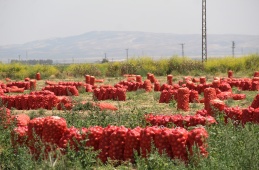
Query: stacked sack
[
  {"x": 130, "y": 85},
  {"x": 230, "y": 74},
  {"x": 3, "y": 88},
  {"x": 243, "y": 115},
  {"x": 62, "y": 90},
  {"x": 178, "y": 139},
  {"x": 36, "y": 100},
  {"x": 78, "y": 85},
  {"x": 162, "y": 141},
  {"x": 183, "y": 99},
  {"x": 148, "y": 85},
  {"x": 245, "y": 84},
  {"x": 46, "y": 134},
  {"x": 20, "y": 84},
  {"x": 109, "y": 93},
  {"x": 156, "y": 86},
  {"x": 172, "y": 94},
  {"x": 92, "y": 80},
  {"x": 19, "y": 135},
  {"x": 13, "y": 87},
  {"x": 151, "y": 77},
  {"x": 200, "y": 118},
  {"x": 209, "y": 94},
  {"x": 170, "y": 79}
]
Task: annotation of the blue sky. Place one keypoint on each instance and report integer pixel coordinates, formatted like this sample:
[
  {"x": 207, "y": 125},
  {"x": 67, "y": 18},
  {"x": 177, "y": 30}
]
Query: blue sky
[{"x": 22, "y": 21}]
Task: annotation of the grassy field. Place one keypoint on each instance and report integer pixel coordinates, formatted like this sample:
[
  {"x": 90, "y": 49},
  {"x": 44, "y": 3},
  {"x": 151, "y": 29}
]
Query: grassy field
[{"x": 229, "y": 146}]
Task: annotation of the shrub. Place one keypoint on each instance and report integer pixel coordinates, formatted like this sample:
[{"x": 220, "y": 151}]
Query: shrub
[
  {"x": 79, "y": 70},
  {"x": 113, "y": 69}
]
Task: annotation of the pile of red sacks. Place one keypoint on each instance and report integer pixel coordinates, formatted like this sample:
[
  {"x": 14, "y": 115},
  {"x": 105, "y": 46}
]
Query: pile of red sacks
[
  {"x": 200, "y": 118},
  {"x": 243, "y": 115},
  {"x": 20, "y": 84},
  {"x": 13, "y": 87},
  {"x": 251, "y": 84},
  {"x": 36, "y": 100},
  {"x": 109, "y": 93},
  {"x": 63, "y": 90},
  {"x": 115, "y": 142},
  {"x": 130, "y": 85}
]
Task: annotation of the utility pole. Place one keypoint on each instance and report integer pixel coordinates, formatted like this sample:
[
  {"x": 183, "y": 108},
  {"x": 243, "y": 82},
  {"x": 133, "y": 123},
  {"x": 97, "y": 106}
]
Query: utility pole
[
  {"x": 204, "y": 32},
  {"x": 127, "y": 54},
  {"x": 182, "y": 49},
  {"x": 233, "y": 48}
]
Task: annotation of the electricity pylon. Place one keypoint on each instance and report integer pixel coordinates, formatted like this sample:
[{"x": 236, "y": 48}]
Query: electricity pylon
[{"x": 204, "y": 32}]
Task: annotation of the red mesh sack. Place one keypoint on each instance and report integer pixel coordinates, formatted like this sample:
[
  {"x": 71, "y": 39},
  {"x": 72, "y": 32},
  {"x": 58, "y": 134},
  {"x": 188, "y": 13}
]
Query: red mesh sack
[
  {"x": 198, "y": 137},
  {"x": 183, "y": 96},
  {"x": 118, "y": 137},
  {"x": 132, "y": 143},
  {"x": 178, "y": 140},
  {"x": 105, "y": 143}
]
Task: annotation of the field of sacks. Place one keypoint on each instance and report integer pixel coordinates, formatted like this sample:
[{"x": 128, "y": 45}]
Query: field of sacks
[{"x": 175, "y": 134}]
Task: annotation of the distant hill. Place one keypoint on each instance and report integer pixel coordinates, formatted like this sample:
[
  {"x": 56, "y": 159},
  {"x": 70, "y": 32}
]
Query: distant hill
[{"x": 92, "y": 46}]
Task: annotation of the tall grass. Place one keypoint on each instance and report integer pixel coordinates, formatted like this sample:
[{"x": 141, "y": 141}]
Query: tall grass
[
  {"x": 20, "y": 71},
  {"x": 216, "y": 65},
  {"x": 174, "y": 65}
]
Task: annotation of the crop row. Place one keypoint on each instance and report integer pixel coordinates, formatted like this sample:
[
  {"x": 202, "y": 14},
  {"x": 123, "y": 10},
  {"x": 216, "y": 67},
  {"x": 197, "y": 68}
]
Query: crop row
[{"x": 46, "y": 134}]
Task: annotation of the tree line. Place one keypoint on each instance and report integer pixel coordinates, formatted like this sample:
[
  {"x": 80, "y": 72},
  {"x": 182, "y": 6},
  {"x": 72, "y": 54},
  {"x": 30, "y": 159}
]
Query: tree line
[{"x": 33, "y": 62}]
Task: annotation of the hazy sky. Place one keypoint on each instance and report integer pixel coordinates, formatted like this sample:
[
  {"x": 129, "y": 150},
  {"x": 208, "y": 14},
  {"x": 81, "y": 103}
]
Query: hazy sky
[{"x": 22, "y": 21}]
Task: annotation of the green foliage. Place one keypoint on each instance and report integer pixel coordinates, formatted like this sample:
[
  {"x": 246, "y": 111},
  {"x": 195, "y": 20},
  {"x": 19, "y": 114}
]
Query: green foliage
[
  {"x": 183, "y": 65},
  {"x": 105, "y": 60},
  {"x": 251, "y": 62},
  {"x": 141, "y": 66},
  {"x": 224, "y": 64},
  {"x": 45, "y": 70},
  {"x": 20, "y": 71},
  {"x": 95, "y": 117},
  {"x": 157, "y": 161},
  {"x": 245, "y": 65},
  {"x": 84, "y": 158},
  {"x": 113, "y": 69},
  {"x": 232, "y": 147},
  {"x": 162, "y": 67},
  {"x": 79, "y": 70},
  {"x": 145, "y": 65},
  {"x": 16, "y": 159}
]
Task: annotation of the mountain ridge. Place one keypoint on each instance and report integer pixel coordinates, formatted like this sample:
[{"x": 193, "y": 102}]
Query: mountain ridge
[{"x": 92, "y": 46}]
